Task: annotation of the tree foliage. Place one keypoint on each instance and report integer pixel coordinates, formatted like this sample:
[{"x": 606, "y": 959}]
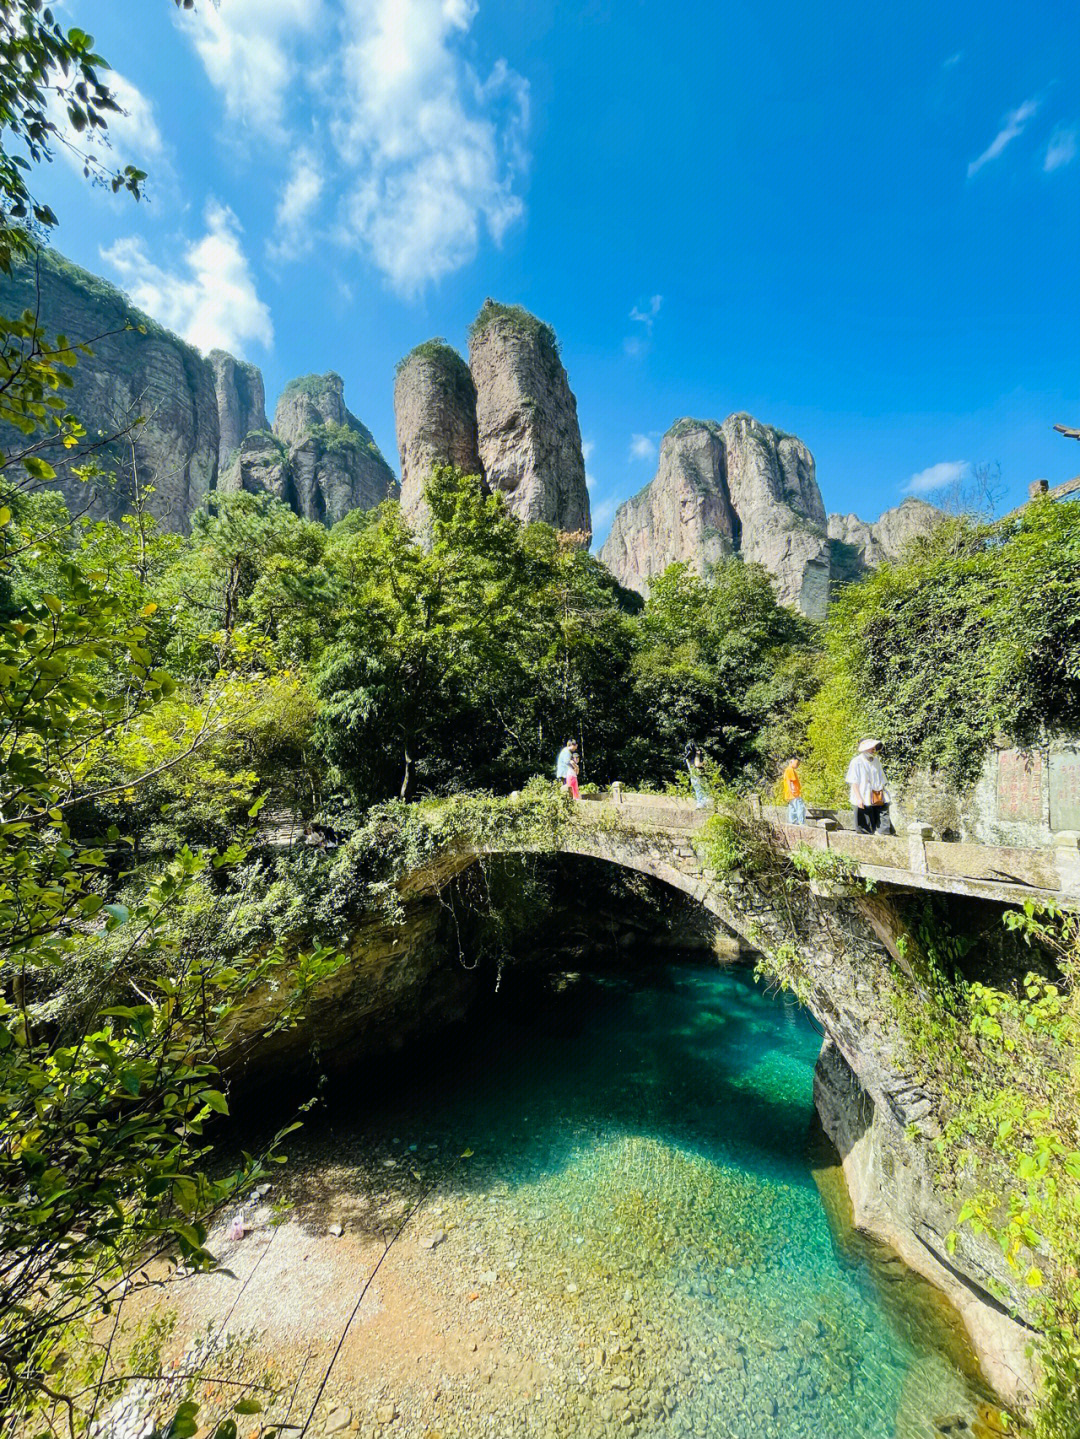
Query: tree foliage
[{"x": 975, "y": 633}]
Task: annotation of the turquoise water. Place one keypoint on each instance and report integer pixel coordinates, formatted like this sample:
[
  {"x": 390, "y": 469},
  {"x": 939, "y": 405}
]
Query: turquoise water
[{"x": 643, "y": 1174}]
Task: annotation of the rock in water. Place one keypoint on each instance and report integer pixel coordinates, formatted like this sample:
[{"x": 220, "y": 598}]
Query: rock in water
[
  {"x": 527, "y": 424},
  {"x": 137, "y": 369},
  {"x": 858, "y": 546},
  {"x": 241, "y": 403},
  {"x": 435, "y": 417},
  {"x": 740, "y": 487},
  {"x": 319, "y": 459}
]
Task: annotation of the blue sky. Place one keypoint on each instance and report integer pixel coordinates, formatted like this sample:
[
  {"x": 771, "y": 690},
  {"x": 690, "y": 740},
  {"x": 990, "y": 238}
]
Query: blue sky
[{"x": 859, "y": 223}]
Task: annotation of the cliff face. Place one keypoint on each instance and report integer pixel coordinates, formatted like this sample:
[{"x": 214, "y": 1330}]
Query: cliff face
[
  {"x": 527, "y": 425},
  {"x": 241, "y": 402},
  {"x": 137, "y": 369},
  {"x": 858, "y": 546},
  {"x": 740, "y": 487},
  {"x": 685, "y": 513},
  {"x": 435, "y": 418},
  {"x": 319, "y": 459}
]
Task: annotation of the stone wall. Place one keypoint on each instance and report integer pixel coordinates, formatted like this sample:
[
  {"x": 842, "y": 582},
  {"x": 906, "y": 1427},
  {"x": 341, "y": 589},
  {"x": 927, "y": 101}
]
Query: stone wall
[{"x": 1022, "y": 797}]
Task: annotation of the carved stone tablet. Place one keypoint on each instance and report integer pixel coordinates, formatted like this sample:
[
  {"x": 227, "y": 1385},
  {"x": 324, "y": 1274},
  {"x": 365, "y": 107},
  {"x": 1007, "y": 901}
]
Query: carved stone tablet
[
  {"x": 1065, "y": 790},
  {"x": 1020, "y": 776}
]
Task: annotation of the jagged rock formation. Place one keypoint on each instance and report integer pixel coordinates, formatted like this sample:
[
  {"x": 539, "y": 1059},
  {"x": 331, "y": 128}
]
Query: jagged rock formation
[
  {"x": 740, "y": 487},
  {"x": 435, "y": 418},
  {"x": 858, "y": 546},
  {"x": 527, "y": 424},
  {"x": 241, "y": 402},
  {"x": 137, "y": 369},
  {"x": 319, "y": 459},
  {"x": 260, "y": 465}
]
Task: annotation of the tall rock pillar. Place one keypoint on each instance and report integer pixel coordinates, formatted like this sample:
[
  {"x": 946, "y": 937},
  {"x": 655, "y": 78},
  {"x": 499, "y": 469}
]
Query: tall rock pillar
[
  {"x": 241, "y": 403},
  {"x": 435, "y": 418},
  {"x": 527, "y": 424}
]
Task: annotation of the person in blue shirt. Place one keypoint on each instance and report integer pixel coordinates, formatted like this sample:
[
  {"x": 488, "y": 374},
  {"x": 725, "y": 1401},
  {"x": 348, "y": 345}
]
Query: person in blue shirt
[{"x": 567, "y": 765}]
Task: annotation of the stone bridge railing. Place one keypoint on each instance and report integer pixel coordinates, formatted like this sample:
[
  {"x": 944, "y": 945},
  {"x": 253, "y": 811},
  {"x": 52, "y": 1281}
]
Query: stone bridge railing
[{"x": 914, "y": 860}]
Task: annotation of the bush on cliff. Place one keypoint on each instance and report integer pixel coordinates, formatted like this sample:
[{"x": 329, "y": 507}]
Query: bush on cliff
[{"x": 975, "y": 633}]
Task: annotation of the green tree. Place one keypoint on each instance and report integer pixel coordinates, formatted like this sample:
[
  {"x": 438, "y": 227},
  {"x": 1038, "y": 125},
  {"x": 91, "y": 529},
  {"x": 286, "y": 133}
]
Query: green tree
[
  {"x": 719, "y": 660},
  {"x": 975, "y": 633},
  {"x": 463, "y": 661}
]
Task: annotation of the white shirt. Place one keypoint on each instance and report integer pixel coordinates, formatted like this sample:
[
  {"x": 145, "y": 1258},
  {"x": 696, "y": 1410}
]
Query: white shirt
[{"x": 864, "y": 774}]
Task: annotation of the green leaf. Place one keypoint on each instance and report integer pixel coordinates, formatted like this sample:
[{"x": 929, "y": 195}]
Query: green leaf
[{"x": 38, "y": 468}]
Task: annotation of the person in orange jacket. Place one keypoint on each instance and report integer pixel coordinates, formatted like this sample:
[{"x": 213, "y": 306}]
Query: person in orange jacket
[{"x": 796, "y": 807}]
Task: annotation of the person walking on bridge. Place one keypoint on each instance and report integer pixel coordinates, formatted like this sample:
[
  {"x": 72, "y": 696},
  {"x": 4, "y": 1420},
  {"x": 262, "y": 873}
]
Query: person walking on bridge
[
  {"x": 866, "y": 780},
  {"x": 695, "y": 763},
  {"x": 796, "y": 806},
  {"x": 567, "y": 766}
]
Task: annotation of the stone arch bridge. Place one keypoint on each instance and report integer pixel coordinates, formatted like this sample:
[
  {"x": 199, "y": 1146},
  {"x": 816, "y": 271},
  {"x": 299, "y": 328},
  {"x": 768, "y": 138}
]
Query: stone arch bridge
[{"x": 835, "y": 943}]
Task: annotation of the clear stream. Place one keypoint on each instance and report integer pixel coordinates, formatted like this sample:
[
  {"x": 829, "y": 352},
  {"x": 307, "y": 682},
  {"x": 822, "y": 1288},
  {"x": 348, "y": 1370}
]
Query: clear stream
[{"x": 646, "y": 1165}]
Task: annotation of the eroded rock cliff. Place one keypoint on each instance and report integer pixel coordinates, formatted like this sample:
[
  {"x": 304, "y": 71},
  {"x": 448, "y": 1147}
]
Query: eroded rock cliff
[
  {"x": 858, "y": 546},
  {"x": 137, "y": 369},
  {"x": 241, "y": 402},
  {"x": 435, "y": 417},
  {"x": 740, "y": 487},
  {"x": 527, "y": 424},
  {"x": 319, "y": 459}
]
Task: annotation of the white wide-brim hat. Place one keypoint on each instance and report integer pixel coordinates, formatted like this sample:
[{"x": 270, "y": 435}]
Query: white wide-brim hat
[{"x": 866, "y": 745}]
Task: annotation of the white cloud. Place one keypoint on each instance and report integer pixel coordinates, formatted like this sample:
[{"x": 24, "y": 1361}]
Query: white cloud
[
  {"x": 937, "y": 477},
  {"x": 1014, "y": 124},
  {"x": 649, "y": 313},
  {"x": 645, "y": 316},
  {"x": 953, "y": 60},
  {"x": 427, "y": 154},
  {"x": 1063, "y": 147},
  {"x": 587, "y": 448},
  {"x": 642, "y": 447},
  {"x": 294, "y": 230},
  {"x": 432, "y": 153},
  {"x": 249, "y": 51},
  {"x": 211, "y": 298}
]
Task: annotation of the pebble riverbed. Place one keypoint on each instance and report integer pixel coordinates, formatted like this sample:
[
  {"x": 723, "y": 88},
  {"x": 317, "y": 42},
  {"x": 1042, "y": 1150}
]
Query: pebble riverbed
[{"x": 625, "y": 1227}]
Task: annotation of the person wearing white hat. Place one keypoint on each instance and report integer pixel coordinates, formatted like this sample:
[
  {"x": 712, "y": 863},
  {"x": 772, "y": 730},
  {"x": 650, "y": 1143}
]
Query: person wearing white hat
[{"x": 866, "y": 781}]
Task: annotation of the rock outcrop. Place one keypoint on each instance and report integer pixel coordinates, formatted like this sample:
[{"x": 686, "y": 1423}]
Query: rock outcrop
[
  {"x": 261, "y": 466},
  {"x": 319, "y": 459},
  {"x": 241, "y": 402},
  {"x": 137, "y": 369},
  {"x": 858, "y": 546},
  {"x": 527, "y": 425},
  {"x": 741, "y": 487},
  {"x": 435, "y": 417}
]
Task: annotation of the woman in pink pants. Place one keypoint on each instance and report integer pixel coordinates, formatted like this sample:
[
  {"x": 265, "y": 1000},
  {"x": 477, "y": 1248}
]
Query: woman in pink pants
[{"x": 567, "y": 766}]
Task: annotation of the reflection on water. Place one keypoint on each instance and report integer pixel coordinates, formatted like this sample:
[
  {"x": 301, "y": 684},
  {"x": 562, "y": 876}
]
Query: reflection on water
[{"x": 650, "y": 1139}]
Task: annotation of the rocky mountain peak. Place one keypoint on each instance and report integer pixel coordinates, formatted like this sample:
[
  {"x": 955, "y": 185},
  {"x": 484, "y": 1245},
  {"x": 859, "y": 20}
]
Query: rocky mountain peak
[
  {"x": 241, "y": 402},
  {"x": 320, "y": 460},
  {"x": 858, "y": 546},
  {"x": 435, "y": 418},
  {"x": 137, "y": 369},
  {"x": 527, "y": 425},
  {"x": 309, "y": 401},
  {"x": 738, "y": 487}
]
